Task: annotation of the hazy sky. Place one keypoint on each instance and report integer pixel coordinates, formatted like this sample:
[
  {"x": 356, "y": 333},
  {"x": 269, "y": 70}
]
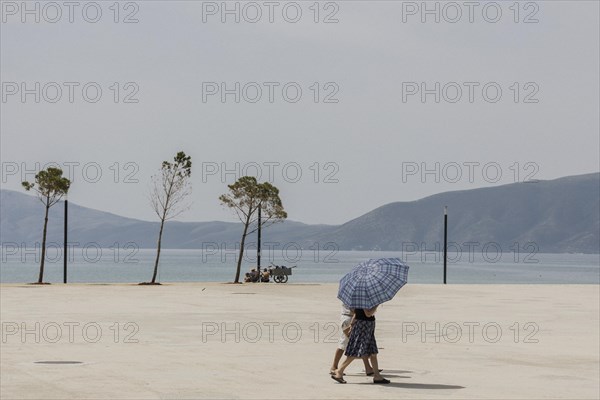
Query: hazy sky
[{"x": 362, "y": 144}]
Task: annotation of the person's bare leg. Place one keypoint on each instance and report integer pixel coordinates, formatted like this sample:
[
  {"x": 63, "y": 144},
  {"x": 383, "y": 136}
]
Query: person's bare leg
[
  {"x": 368, "y": 368},
  {"x": 339, "y": 373},
  {"x": 336, "y": 359},
  {"x": 376, "y": 375}
]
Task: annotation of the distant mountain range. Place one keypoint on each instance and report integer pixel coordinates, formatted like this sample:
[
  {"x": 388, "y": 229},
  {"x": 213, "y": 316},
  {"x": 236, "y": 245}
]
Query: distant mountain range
[{"x": 557, "y": 216}]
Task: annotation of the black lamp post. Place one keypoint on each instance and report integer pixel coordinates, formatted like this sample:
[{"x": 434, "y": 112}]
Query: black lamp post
[
  {"x": 65, "y": 254},
  {"x": 445, "y": 241},
  {"x": 258, "y": 242}
]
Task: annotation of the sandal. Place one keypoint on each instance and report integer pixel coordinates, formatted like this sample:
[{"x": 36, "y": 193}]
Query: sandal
[{"x": 339, "y": 380}]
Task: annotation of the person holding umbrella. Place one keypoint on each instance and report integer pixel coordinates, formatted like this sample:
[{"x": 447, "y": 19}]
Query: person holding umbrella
[{"x": 363, "y": 289}]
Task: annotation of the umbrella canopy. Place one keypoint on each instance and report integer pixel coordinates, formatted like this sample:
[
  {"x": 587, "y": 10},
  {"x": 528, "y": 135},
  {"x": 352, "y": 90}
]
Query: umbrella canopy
[{"x": 373, "y": 282}]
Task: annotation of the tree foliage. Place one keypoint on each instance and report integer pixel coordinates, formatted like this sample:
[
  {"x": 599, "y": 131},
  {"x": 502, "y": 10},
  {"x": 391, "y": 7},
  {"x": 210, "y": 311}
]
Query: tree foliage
[
  {"x": 51, "y": 186},
  {"x": 171, "y": 187}
]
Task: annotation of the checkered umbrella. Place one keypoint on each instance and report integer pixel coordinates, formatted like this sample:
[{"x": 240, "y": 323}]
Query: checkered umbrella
[{"x": 373, "y": 282}]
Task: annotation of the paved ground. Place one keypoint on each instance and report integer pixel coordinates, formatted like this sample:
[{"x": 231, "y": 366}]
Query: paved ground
[{"x": 209, "y": 340}]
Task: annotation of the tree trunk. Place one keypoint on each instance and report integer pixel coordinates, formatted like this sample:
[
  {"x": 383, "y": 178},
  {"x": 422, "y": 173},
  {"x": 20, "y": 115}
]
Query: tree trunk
[
  {"x": 41, "y": 277},
  {"x": 239, "y": 263},
  {"x": 162, "y": 223}
]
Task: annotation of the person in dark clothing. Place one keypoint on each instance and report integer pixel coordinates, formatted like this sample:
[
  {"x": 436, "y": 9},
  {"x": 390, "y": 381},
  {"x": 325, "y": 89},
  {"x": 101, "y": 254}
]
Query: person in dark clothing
[
  {"x": 346, "y": 320},
  {"x": 361, "y": 344}
]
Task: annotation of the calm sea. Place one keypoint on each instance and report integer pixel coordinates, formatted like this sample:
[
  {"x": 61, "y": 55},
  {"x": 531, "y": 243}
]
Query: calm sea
[{"x": 95, "y": 265}]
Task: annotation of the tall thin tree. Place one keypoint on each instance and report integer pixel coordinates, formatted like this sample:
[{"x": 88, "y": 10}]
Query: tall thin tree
[
  {"x": 170, "y": 189},
  {"x": 244, "y": 197},
  {"x": 51, "y": 187}
]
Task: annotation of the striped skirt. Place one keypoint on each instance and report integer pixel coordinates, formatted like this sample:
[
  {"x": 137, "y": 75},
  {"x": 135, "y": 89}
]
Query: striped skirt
[{"x": 362, "y": 339}]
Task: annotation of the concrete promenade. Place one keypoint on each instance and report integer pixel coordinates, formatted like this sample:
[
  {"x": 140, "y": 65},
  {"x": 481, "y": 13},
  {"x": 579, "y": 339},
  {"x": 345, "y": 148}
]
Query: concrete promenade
[{"x": 254, "y": 341}]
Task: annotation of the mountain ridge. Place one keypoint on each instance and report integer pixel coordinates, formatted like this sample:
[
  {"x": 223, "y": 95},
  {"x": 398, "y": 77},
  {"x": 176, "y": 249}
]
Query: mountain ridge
[{"x": 559, "y": 215}]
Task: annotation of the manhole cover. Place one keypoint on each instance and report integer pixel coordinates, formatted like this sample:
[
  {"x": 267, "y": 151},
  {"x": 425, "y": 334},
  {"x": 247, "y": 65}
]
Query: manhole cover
[{"x": 58, "y": 362}]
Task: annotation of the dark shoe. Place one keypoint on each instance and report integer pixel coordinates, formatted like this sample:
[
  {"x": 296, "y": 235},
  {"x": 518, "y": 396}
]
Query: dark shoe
[
  {"x": 339, "y": 380},
  {"x": 371, "y": 373},
  {"x": 381, "y": 381}
]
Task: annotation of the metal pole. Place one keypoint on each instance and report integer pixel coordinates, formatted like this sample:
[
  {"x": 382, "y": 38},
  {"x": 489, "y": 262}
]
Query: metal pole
[
  {"x": 65, "y": 254},
  {"x": 258, "y": 244},
  {"x": 445, "y": 241}
]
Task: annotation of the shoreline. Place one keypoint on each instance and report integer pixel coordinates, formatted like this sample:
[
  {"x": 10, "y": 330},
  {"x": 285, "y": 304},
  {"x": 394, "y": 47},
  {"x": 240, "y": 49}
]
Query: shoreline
[{"x": 244, "y": 284}]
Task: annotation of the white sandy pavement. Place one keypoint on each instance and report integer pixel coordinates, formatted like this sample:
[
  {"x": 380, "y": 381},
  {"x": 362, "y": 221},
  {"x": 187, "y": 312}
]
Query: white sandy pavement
[{"x": 252, "y": 341}]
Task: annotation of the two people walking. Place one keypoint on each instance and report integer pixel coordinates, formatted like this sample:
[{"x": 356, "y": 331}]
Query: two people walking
[
  {"x": 357, "y": 340},
  {"x": 368, "y": 285}
]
